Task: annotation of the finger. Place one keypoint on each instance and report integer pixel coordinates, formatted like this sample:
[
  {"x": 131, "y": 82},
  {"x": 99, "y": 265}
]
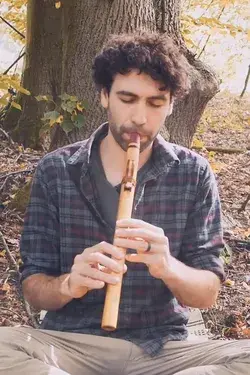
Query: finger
[
  {"x": 101, "y": 276},
  {"x": 108, "y": 248},
  {"x": 136, "y": 223},
  {"x": 138, "y": 245},
  {"x": 140, "y": 258},
  {"x": 83, "y": 281},
  {"x": 106, "y": 270},
  {"x": 102, "y": 247},
  {"x": 105, "y": 261},
  {"x": 145, "y": 234}
]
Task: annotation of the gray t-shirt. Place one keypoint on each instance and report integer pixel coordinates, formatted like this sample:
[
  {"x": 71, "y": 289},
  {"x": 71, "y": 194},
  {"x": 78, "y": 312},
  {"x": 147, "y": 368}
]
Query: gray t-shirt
[{"x": 107, "y": 194}]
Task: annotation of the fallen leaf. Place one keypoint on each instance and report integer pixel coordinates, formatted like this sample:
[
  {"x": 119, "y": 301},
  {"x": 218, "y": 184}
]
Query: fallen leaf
[
  {"x": 229, "y": 282},
  {"x": 6, "y": 287}
]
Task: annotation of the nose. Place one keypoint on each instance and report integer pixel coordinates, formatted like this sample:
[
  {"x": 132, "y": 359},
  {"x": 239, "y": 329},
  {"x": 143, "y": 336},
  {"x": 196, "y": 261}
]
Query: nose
[{"x": 139, "y": 117}]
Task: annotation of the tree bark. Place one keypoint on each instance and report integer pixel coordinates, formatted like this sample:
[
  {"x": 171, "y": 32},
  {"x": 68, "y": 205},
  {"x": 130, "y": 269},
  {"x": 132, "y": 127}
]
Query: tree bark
[
  {"x": 42, "y": 71},
  {"x": 62, "y": 48}
]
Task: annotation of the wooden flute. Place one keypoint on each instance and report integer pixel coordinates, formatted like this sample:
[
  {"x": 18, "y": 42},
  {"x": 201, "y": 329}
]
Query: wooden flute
[{"x": 125, "y": 207}]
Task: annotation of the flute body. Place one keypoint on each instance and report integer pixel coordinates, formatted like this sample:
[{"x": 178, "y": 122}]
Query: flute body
[{"x": 125, "y": 207}]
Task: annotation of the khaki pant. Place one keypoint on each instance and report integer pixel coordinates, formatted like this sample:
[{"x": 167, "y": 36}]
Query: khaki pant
[{"x": 26, "y": 351}]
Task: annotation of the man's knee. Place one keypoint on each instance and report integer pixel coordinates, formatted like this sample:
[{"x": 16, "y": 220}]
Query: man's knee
[
  {"x": 6, "y": 335},
  {"x": 12, "y": 336}
]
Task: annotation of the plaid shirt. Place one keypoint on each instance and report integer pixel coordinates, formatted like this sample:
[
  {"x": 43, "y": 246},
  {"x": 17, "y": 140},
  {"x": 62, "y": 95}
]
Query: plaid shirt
[{"x": 178, "y": 194}]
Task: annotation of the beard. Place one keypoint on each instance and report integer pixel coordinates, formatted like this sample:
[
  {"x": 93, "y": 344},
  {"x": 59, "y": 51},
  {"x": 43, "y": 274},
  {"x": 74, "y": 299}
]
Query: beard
[{"x": 119, "y": 131}]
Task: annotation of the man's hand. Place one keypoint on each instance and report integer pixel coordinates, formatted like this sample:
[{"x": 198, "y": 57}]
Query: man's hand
[
  {"x": 92, "y": 268},
  {"x": 192, "y": 287},
  {"x": 137, "y": 234}
]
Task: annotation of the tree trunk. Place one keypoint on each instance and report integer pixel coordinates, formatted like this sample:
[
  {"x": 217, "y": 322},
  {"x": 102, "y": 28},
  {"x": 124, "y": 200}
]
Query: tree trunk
[
  {"x": 42, "y": 71},
  {"x": 62, "y": 48}
]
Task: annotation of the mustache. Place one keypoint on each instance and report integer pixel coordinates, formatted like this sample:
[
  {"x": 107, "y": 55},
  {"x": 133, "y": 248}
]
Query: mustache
[{"x": 124, "y": 129}]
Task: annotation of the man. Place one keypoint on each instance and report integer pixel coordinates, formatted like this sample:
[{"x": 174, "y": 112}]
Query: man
[{"x": 67, "y": 243}]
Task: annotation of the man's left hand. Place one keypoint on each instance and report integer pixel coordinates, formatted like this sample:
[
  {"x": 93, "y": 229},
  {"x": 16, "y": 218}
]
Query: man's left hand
[{"x": 141, "y": 236}]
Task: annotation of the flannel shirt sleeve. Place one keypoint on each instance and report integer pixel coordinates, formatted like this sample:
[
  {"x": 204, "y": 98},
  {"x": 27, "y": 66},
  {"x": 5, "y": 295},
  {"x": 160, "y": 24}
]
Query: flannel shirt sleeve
[
  {"x": 203, "y": 238},
  {"x": 40, "y": 244}
]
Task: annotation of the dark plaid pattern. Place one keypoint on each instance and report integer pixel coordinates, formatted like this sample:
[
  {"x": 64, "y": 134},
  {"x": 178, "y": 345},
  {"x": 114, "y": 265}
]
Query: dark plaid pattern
[{"x": 178, "y": 194}]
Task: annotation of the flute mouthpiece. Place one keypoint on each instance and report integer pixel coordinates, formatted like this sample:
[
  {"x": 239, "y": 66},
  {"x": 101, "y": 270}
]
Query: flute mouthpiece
[{"x": 134, "y": 137}]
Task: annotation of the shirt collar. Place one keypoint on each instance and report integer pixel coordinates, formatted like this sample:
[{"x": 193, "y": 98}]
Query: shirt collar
[{"x": 82, "y": 155}]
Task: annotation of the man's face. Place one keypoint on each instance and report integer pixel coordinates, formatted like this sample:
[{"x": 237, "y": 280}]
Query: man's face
[{"x": 136, "y": 104}]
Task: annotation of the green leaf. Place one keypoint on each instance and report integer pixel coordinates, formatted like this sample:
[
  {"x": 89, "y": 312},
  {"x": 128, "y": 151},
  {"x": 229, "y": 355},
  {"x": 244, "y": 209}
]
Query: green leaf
[
  {"x": 85, "y": 104},
  {"x": 64, "y": 96},
  {"x": 16, "y": 105},
  {"x": 79, "y": 121},
  {"x": 51, "y": 115},
  {"x": 67, "y": 126},
  {"x": 68, "y": 106},
  {"x": 73, "y": 99},
  {"x": 46, "y": 98}
]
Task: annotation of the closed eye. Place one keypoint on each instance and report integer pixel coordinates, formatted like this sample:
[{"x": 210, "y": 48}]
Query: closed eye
[
  {"x": 127, "y": 100},
  {"x": 156, "y": 105}
]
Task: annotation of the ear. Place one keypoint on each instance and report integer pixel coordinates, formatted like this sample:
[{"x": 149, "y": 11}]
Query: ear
[{"x": 104, "y": 98}]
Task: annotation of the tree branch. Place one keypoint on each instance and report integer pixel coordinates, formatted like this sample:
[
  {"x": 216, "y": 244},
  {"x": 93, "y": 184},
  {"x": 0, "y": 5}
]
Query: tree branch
[
  {"x": 209, "y": 36},
  {"x": 246, "y": 82},
  {"x": 221, "y": 149},
  {"x": 17, "y": 172},
  {"x": 12, "y": 27},
  {"x": 19, "y": 57},
  {"x": 8, "y": 253}
]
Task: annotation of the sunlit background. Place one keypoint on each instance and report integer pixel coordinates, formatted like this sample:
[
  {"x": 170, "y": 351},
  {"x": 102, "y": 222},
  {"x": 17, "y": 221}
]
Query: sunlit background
[{"x": 226, "y": 51}]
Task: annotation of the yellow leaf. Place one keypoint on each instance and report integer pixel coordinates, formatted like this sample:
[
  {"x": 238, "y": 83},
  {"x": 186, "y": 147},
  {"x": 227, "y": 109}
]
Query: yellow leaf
[
  {"x": 24, "y": 91},
  {"x": 197, "y": 143},
  {"x": 2, "y": 253},
  {"x": 59, "y": 120},
  {"x": 58, "y": 4},
  {"x": 4, "y": 99},
  {"x": 211, "y": 155},
  {"x": 79, "y": 106},
  {"x": 216, "y": 166},
  {"x": 15, "y": 105},
  {"x": 229, "y": 282}
]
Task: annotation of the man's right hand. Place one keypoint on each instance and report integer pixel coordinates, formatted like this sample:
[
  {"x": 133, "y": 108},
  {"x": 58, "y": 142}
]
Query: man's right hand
[{"x": 92, "y": 269}]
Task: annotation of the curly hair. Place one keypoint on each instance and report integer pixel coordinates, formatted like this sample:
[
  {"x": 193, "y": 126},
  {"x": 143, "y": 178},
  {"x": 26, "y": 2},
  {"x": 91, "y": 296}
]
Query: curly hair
[{"x": 151, "y": 53}]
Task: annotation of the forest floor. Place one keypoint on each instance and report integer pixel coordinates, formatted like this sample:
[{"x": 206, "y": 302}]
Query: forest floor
[{"x": 225, "y": 124}]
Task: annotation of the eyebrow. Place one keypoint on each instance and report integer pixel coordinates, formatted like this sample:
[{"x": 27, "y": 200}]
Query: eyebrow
[{"x": 131, "y": 94}]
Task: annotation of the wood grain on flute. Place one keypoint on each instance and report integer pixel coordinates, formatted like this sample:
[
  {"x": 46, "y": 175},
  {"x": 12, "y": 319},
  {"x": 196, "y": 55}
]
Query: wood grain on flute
[{"x": 125, "y": 207}]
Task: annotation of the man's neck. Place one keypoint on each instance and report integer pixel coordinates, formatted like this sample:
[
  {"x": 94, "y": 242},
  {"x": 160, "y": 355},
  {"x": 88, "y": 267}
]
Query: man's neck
[{"x": 114, "y": 157}]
